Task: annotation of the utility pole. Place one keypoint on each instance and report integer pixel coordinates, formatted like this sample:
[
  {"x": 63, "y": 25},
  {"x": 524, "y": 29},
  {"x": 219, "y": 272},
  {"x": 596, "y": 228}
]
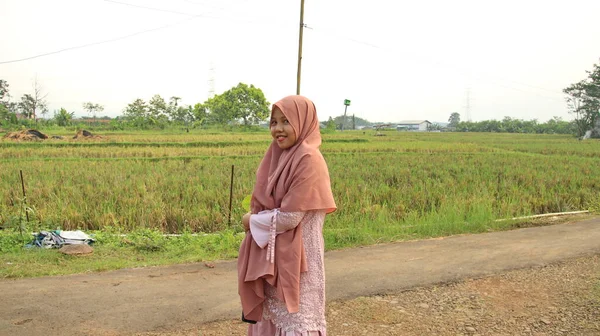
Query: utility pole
[
  {"x": 346, "y": 104},
  {"x": 300, "y": 47}
]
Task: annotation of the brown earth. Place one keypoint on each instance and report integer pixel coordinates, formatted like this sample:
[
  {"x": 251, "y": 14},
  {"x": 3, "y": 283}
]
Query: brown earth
[
  {"x": 83, "y": 134},
  {"x": 530, "y": 281},
  {"x": 560, "y": 299},
  {"x": 26, "y": 135}
]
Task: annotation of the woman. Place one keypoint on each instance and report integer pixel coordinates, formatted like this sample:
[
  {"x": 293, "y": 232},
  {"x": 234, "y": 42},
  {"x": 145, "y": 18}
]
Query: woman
[{"x": 280, "y": 268}]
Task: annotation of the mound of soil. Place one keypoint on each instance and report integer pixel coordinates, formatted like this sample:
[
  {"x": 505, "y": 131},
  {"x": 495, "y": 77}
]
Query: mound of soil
[
  {"x": 83, "y": 134},
  {"x": 29, "y": 134},
  {"x": 78, "y": 249}
]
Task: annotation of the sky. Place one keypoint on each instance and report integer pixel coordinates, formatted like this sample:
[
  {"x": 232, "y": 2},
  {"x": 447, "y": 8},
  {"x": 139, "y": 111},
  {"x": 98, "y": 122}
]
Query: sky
[{"x": 395, "y": 60}]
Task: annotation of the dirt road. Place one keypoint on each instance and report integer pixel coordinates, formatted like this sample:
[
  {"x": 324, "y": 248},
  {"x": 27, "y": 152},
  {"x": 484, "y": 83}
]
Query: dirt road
[{"x": 167, "y": 299}]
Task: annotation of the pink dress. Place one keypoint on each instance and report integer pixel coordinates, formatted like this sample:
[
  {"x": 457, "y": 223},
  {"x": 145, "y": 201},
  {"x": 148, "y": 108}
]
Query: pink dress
[{"x": 310, "y": 319}]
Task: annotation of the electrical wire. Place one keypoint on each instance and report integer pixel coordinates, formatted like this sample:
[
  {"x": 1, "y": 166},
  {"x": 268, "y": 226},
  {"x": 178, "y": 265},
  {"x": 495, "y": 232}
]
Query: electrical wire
[
  {"x": 443, "y": 64},
  {"x": 318, "y": 30},
  {"x": 149, "y": 8}
]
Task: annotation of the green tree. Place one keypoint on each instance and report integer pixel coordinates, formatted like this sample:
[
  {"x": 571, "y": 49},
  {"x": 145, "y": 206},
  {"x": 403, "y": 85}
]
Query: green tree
[
  {"x": 454, "y": 119},
  {"x": 251, "y": 103},
  {"x": 583, "y": 99},
  {"x": 4, "y": 101},
  {"x": 199, "y": 113},
  {"x": 63, "y": 118},
  {"x": 339, "y": 120},
  {"x": 179, "y": 113},
  {"x": 330, "y": 124},
  {"x": 27, "y": 106},
  {"x": 31, "y": 104},
  {"x": 92, "y": 109},
  {"x": 158, "y": 110},
  {"x": 220, "y": 110},
  {"x": 4, "y": 95},
  {"x": 245, "y": 102},
  {"x": 137, "y": 113}
]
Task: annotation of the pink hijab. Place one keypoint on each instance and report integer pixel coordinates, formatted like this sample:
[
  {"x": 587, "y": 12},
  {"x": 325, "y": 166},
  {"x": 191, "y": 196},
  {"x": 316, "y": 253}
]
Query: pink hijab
[{"x": 293, "y": 179}]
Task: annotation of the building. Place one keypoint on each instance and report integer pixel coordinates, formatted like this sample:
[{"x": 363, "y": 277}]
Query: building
[
  {"x": 413, "y": 125},
  {"x": 21, "y": 116}
]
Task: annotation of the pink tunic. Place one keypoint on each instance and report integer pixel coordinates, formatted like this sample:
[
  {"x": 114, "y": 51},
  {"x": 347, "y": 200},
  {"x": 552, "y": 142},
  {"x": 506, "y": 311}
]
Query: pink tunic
[{"x": 310, "y": 319}]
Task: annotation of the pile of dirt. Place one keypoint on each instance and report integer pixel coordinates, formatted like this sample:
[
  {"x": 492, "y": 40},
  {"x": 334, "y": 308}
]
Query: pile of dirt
[
  {"x": 29, "y": 134},
  {"x": 83, "y": 134}
]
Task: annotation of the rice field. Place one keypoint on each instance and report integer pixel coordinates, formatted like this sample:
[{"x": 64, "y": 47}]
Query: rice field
[{"x": 388, "y": 187}]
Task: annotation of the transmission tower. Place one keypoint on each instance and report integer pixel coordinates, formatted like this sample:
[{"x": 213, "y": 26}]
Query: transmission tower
[
  {"x": 468, "y": 105},
  {"x": 211, "y": 80}
]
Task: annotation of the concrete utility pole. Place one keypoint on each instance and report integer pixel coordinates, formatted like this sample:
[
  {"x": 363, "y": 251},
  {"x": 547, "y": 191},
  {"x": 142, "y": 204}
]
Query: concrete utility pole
[{"x": 300, "y": 47}]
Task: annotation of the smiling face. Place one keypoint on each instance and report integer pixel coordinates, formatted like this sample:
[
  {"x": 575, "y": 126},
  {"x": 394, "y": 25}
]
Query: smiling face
[{"x": 281, "y": 130}]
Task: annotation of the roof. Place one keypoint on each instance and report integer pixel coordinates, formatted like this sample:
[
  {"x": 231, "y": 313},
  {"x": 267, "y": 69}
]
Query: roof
[{"x": 413, "y": 122}]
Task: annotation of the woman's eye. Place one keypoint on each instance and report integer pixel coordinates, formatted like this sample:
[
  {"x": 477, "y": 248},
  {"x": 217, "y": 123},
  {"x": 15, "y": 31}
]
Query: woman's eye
[{"x": 286, "y": 122}]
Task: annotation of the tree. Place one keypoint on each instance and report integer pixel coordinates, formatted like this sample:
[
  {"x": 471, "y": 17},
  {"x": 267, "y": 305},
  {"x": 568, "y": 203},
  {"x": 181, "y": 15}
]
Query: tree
[
  {"x": 63, "y": 118},
  {"x": 137, "y": 113},
  {"x": 179, "y": 113},
  {"x": 330, "y": 124},
  {"x": 92, "y": 109},
  {"x": 4, "y": 101},
  {"x": 454, "y": 120},
  {"x": 27, "y": 106},
  {"x": 30, "y": 104},
  {"x": 339, "y": 120},
  {"x": 245, "y": 102},
  {"x": 220, "y": 110},
  {"x": 4, "y": 95},
  {"x": 435, "y": 127},
  {"x": 511, "y": 125},
  {"x": 158, "y": 110},
  {"x": 199, "y": 113},
  {"x": 583, "y": 99}
]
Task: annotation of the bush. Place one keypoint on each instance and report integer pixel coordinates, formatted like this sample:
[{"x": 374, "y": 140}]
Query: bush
[{"x": 147, "y": 240}]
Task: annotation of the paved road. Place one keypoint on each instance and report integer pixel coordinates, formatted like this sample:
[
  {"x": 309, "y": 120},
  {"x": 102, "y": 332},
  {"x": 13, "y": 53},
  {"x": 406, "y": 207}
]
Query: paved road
[{"x": 183, "y": 296}]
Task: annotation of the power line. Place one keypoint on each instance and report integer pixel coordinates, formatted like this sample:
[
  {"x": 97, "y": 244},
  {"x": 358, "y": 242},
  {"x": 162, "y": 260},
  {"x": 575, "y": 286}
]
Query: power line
[
  {"x": 183, "y": 13},
  {"x": 149, "y": 8},
  {"x": 190, "y": 17},
  {"x": 99, "y": 42},
  {"x": 193, "y": 16},
  {"x": 439, "y": 63}
]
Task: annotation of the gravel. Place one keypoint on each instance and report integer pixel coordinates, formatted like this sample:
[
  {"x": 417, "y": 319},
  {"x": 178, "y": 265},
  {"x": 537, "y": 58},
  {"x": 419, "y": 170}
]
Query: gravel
[{"x": 560, "y": 299}]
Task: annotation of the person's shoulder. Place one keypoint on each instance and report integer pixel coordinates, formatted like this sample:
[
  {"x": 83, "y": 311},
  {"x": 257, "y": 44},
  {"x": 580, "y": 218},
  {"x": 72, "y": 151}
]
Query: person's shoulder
[{"x": 311, "y": 157}]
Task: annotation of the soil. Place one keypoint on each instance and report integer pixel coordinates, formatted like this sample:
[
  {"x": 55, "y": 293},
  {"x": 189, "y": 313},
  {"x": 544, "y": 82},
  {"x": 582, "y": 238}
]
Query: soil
[
  {"x": 560, "y": 299},
  {"x": 83, "y": 134},
  {"x": 30, "y": 134},
  {"x": 531, "y": 281}
]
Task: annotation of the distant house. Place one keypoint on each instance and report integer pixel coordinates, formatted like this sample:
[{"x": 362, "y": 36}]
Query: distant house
[
  {"x": 21, "y": 116},
  {"x": 413, "y": 125}
]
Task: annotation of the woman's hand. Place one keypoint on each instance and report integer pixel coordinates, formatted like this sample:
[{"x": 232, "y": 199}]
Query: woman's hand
[{"x": 246, "y": 221}]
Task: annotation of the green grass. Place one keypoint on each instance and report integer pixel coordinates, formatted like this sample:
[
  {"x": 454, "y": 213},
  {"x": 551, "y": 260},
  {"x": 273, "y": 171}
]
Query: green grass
[
  {"x": 396, "y": 187},
  {"x": 141, "y": 248}
]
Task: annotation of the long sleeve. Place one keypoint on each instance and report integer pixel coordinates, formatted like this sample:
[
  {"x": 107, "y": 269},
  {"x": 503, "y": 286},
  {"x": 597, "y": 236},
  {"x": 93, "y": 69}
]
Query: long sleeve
[{"x": 261, "y": 224}]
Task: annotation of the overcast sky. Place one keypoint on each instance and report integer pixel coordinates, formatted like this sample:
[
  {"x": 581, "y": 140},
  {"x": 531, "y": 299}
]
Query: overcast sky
[{"x": 395, "y": 60}]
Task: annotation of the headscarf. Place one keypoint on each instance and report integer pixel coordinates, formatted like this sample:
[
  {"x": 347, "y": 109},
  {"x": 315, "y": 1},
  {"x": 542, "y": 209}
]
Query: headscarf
[{"x": 293, "y": 179}]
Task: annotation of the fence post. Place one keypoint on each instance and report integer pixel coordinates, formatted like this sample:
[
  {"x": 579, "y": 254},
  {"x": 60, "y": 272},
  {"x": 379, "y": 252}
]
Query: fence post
[{"x": 231, "y": 194}]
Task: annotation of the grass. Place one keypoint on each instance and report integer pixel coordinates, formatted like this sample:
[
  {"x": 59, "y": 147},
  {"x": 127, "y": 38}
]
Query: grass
[
  {"x": 140, "y": 248},
  {"x": 399, "y": 186}
]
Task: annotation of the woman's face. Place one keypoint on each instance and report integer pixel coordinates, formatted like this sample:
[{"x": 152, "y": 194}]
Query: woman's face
[{"x": 281, "y": 130}]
